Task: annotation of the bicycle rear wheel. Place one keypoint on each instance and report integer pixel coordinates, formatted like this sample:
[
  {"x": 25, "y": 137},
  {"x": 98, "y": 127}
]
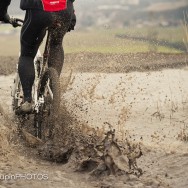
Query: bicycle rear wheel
[{"x": 47, "y": 117}]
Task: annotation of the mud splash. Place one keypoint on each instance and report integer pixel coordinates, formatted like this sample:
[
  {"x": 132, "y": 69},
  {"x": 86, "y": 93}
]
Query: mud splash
[{"x": 86, "y": 149}]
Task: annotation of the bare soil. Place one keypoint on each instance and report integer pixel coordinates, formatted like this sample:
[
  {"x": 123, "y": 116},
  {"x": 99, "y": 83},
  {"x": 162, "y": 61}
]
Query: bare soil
[
  {"x": 135, "y": 95},
  {"x": 109, "y": 63}
]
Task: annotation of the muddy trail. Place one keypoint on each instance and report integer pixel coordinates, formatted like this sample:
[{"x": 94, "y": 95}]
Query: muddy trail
[{"x": 147, "y": 109}]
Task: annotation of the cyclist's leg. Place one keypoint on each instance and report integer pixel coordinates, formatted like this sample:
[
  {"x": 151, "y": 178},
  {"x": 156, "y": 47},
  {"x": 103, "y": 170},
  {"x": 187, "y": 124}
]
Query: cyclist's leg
[
  {"x": 56, "y": 57},
  {"x": 32, "y": 34}
]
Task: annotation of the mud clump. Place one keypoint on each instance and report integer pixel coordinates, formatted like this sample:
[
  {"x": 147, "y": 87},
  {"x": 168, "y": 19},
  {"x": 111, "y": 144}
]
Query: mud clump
[{"x": 85, "y": 150}]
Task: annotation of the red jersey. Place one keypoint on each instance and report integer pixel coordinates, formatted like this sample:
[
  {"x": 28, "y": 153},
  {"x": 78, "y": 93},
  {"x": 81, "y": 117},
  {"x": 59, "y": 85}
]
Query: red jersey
[{"x": 54, "y": 5}]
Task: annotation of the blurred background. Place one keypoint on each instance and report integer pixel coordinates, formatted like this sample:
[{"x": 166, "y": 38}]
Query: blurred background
[{"x": 121, "y": 26}]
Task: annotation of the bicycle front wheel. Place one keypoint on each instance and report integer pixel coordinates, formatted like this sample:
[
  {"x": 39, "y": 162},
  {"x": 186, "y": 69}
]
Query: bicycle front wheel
[
  {"x": 16, "y": 93},
  {"x": 48, "y": 116}
]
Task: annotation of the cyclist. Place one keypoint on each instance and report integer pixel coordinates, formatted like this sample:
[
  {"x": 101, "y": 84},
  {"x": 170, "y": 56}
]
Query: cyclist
[{"x": 40, "y": 14}]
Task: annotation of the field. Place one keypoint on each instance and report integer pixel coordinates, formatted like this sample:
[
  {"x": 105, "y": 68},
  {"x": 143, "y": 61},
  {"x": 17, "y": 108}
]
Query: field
[
  {"x": 133, "y": 80},
  {"x": 106, "y": 40}
]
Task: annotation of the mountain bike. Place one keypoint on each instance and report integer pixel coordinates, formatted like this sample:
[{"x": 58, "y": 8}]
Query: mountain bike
[{"x": 45, "y": 92}]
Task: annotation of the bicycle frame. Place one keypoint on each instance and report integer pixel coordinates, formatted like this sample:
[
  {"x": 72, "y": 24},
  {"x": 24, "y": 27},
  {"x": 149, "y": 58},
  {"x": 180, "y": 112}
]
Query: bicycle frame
[
  {"x": 46, "y": 87},
  {"x": 40, "y": 66},
  {"x": 39, "y": 72}
]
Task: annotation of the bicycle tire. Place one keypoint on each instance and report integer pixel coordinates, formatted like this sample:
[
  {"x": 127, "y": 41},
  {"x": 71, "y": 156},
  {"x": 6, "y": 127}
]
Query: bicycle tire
[
  {"x": 15, "y": 98},
  {"x": 48, "y": 114}
]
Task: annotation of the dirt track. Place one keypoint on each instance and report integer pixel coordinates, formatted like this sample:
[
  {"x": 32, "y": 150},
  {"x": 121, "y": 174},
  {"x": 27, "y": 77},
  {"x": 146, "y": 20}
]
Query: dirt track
[{"x": 147, "y": 104}]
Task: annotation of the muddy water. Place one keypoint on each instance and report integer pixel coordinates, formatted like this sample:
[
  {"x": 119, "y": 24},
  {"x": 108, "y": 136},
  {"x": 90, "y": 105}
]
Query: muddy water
[{"x": 151, "y": 106}]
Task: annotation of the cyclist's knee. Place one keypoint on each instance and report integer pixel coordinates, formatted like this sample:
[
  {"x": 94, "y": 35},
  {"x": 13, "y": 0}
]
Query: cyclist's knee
[{"x": 28, "y": 50}]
